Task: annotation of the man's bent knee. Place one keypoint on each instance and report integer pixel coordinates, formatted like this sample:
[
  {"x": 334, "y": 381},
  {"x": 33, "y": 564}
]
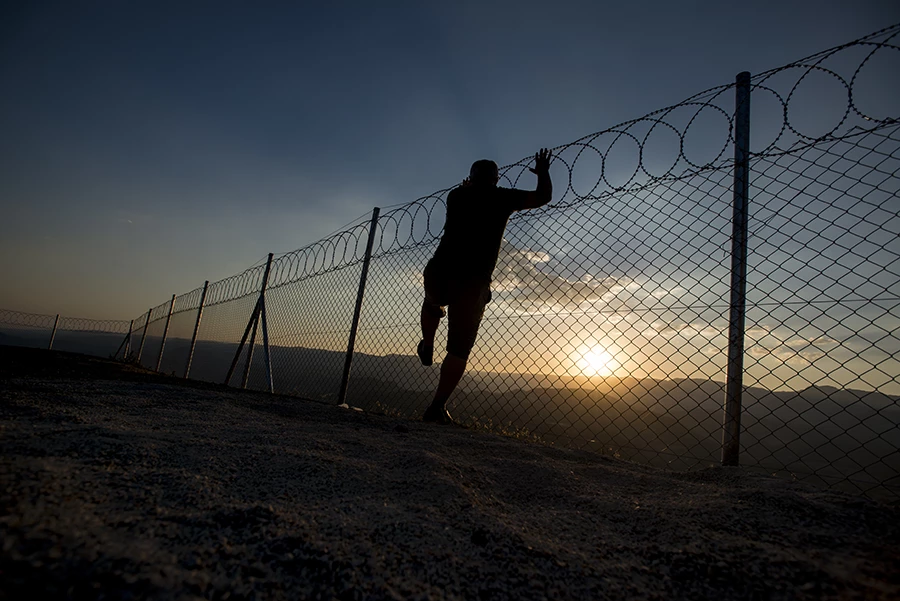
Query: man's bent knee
[
  {"x": 454, "y": 357},
  {"x": 459, "y": 349},
  {"x": 433, "y": 310}
]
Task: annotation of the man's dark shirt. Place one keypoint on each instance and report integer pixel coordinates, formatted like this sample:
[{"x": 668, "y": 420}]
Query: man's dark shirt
[{"x": 473, "y": 230}]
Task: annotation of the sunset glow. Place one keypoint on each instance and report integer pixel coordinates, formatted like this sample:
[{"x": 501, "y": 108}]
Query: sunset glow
[{"x": 595, "y": 361}]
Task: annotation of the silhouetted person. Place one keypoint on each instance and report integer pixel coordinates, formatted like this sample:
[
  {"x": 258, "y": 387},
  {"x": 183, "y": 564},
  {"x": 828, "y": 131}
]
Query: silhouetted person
[{"x": 459, "y": 274}]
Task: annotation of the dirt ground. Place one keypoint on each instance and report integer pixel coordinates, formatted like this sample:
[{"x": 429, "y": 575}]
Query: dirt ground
[{"x": 120, "y": 484}]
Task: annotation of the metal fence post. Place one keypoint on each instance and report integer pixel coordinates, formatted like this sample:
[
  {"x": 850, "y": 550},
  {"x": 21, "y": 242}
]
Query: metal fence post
[
  {"x": 125, "y": 344},
  {"x": 265, "y": 328},
  {"x": 128, "y": 341},
  {"x": 251, "y": 344},
  {"x": 53, "y": 333},
  {"x": 265, "y": 325},
  {"x": 731, "y": 425},
  {"x": 260, "y": 310},
  {"x": 237, "y": 355},
  {"x": 345, "y": 379},
  {"x": 144, "y": 335},
  {"x": 162, "y": 345},
  {"x": 187, "y": 368}
]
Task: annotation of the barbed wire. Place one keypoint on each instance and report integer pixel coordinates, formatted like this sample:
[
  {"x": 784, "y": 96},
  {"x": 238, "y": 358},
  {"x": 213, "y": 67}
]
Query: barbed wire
[
  {"x": 709, "y": 113},
  {"x": 81, "y": 324},
  {"x": 72, "y": 324},
  {"x": 30, "y": 320}
]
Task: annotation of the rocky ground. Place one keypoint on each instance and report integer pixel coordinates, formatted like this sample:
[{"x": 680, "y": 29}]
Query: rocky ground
[{"x": 118, "y": 484}]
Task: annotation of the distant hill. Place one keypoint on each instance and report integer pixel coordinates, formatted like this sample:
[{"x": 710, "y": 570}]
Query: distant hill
[{"x": 19, "y": 340}]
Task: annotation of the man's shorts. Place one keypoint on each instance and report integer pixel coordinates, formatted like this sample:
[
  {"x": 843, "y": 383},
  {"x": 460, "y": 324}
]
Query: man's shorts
[{"x": 465, "y": 300}]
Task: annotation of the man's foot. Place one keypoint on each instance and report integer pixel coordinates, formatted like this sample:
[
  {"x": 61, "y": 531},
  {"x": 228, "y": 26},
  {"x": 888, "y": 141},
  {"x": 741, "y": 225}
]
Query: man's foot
[
  {"x": 425, "y": 353},
  {"x": 437, "y": 416}
]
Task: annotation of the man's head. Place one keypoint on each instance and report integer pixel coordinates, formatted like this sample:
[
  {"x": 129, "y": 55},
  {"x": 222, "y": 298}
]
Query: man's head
[{"x": 484, "y": 173}]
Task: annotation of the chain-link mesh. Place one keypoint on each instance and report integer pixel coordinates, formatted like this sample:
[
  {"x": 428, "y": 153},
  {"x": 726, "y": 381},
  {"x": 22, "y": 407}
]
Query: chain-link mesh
[
  {"x": 387, "y": 376},
  {"x": 608, "y": 328},
  {"x": 180, "y": 333},
  {"x": 823, "y": 315},
  {"x": 576, "y": 346},
  {"x": 229, "y": 303},
  {"x": 609, "y": 324},
  {"x": 132, "y": 346},
  {"x": 25, "y": 329},
  {"x": 309, "y": 322},
  {"x": 151, "y": 337},
  {"x": 101, "y": 337}
]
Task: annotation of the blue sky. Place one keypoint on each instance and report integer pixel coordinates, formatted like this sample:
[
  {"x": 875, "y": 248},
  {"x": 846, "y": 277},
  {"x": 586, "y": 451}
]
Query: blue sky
[{"x": 148, "y": 148}]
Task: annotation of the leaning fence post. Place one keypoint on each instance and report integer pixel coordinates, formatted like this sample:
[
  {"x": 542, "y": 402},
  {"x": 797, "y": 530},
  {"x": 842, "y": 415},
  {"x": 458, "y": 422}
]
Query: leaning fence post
[
  {"x": 126, "y": 342},
  {"x": 731, "y": 425},
  {"x": 351, "y": 343},
  {"x": 251, "y": 344},
  {"x": 53, "y": 333},
  {"x": 260, "y": 310},
  {"x": 144, "y": 335},
  {"x": 265, "y": 325},
  {"x": 162, "y": 345},
  {"x": 187, "y": 368},
  {"x": 237, "y": 355},
  {"x": 265, "y": 328}
]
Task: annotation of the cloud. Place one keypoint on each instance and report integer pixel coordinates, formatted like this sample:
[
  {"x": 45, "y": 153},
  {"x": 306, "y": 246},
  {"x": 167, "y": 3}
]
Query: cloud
[
  {"x": 762, "y": 342},
  {"x": 820, "y": 342},
  {"x": 683, "y": 328},
  {"x": 526, "y": 289},
  {"x": 796, "y": 350},
  {"x": 668, "y": 329},
  {"x": 757, "y": 332},
  {"x": 526, "y": 286},
  {"x": 662, "y": 293}
]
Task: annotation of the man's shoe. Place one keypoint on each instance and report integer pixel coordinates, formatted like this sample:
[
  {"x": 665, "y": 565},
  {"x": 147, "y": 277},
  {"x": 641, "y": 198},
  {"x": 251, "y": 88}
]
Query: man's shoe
[
  {"x": 425, "y": 353},
  {"x": 437, "y": 416}
]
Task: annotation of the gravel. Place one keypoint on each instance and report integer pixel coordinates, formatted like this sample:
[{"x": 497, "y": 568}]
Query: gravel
[{"x": 116, "y": 484}]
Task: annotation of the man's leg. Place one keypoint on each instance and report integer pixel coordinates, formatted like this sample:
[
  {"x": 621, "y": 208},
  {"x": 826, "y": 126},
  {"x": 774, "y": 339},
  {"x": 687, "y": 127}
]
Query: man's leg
[
  {"x": 452, "y": 370},
  {"x": 465, "y": 317},
  {"x": 432, "y": 312},
  {"x": 429, "y": 320}
]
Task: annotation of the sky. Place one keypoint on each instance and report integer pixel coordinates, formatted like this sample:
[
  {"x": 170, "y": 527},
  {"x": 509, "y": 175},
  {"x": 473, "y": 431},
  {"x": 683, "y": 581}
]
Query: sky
[{"x": 148, "y": 147}]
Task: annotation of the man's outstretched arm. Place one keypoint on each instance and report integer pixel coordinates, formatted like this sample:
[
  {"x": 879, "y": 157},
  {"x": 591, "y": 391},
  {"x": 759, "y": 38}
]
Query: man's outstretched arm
[{"x": 544, "y": 191}]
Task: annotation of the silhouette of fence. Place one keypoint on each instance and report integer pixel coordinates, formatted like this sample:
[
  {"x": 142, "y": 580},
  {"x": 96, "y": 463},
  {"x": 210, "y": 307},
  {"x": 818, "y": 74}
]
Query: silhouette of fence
[
  {"x": 719, "y": 278},
  {"x": 103, "y": 337}
]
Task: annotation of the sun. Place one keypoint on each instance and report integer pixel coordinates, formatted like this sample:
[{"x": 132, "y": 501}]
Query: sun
[{"x": 596, "y": 361}]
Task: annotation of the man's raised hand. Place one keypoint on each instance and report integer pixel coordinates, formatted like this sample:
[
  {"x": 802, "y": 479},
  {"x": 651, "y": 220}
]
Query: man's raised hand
[{"x": 541, "y": 162}]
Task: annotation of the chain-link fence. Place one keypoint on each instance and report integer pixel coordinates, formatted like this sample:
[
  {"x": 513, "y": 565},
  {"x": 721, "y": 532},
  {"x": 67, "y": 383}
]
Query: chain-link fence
[
  {"x": 718, "y": 278},
  {"x": 101, "y": 337},
  {"x": 824, "y": 272}
]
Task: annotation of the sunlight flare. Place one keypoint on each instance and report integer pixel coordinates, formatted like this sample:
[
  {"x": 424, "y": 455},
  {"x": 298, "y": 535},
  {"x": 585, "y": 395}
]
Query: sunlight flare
[{"x": 596, "y": 361}]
